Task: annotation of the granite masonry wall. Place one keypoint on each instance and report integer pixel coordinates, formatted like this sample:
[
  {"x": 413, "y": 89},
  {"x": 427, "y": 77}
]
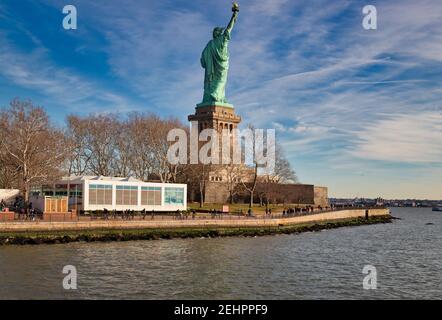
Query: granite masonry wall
[{"x": 198, "y": 223}]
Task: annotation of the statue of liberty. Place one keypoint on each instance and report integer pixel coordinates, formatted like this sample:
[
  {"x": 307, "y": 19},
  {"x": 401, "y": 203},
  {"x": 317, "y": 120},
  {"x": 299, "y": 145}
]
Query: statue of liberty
[{"x": 215, "y": 61}]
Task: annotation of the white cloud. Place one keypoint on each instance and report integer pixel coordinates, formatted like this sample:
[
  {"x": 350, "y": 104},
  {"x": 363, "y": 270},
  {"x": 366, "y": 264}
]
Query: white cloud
[
  {"x": 402, "y": 138},
  {"x": 34, "y": 70}
]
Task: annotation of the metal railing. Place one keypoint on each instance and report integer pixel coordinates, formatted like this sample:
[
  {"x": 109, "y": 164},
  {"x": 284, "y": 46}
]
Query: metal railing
[{"x": 183, "y": 215}]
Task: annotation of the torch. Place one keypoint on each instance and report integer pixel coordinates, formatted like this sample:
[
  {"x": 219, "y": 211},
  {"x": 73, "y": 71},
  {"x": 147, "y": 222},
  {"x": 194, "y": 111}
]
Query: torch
[{"x": 235, "y": 7}]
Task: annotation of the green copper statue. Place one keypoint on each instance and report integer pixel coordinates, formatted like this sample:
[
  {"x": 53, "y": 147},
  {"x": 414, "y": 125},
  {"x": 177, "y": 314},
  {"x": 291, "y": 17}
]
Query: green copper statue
[{"x": 215, "y": 61}]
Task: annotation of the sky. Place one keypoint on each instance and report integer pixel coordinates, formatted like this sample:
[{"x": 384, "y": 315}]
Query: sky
[{"x": 358, "y": 111}]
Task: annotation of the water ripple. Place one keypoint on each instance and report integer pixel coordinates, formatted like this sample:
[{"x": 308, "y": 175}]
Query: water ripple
[{"x": 318, "y": 265}]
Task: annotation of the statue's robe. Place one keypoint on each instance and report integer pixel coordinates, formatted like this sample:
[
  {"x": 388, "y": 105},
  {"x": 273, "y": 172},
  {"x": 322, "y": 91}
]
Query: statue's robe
[{"x": 215, "y": 61}]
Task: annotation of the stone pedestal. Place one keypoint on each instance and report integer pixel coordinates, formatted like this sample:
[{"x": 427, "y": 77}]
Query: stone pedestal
[{"x": 215, "y": 116}]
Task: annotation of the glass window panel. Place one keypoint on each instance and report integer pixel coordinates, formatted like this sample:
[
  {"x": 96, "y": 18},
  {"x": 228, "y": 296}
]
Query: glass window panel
[
  {"x": 119, "y": 197},
  {"x": 125, "y": 197},
  {"x": 150, "y": 198},
  {"x": 100, "y": 196},
  {"x": 108, "y": 197},
  {"x": 134, "y": 197},
  {"x": 143, "y": 197},
  {"x": 174, "y": 195},
  {"x": 157, "y": 200},
  {"x": 92, "y": 196}
]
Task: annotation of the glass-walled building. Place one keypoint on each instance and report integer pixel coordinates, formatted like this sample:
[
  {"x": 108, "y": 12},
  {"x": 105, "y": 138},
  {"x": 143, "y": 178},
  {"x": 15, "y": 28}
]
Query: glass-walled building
[{"x": 91, "y": 193}]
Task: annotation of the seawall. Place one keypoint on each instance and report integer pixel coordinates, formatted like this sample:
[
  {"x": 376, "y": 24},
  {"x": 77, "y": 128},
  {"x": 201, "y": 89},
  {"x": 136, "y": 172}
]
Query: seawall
[{"x": 45, "y": 226}]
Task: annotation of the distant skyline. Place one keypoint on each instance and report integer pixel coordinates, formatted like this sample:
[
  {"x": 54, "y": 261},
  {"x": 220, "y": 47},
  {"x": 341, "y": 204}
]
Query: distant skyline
[{"x": 358, "y": 111}]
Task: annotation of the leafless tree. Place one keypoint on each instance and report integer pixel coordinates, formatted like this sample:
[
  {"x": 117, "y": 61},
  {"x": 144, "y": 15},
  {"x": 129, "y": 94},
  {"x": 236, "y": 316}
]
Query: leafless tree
[
  {"x": 101, "y": 143},
  {"x": 76, "y": 134},
  {"x": 259, "y": 178},
  {"x": 197, "y": 176},
  {"x": 282, "y": 173},
  {"x": 142, "y": 157},
  {"x": 32, "y": 145},
  {"x": 233, "y": 174},
  {"x": 123, "y": 149},
  {"x": 133, "y": 145},
  {"x": 166, "y": 171},
  {"x": 8, "y": 173},
  {"x": 249, "y": 181}
]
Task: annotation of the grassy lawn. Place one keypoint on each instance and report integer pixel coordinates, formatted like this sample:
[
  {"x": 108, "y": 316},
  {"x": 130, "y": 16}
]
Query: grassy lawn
[{"x": 236, "y": 207}]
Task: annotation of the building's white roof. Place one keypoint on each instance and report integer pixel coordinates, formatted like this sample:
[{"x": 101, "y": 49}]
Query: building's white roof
[{"x": 74, "y": 179}]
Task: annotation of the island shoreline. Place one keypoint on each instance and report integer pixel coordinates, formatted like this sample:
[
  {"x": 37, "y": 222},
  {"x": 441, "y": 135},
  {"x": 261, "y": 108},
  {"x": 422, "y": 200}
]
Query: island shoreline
[{"x": 107, "y": 235}]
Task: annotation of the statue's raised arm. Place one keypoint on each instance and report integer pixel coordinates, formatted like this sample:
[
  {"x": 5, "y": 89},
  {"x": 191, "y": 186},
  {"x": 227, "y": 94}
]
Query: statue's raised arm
[{"x": 235, "y": 9}]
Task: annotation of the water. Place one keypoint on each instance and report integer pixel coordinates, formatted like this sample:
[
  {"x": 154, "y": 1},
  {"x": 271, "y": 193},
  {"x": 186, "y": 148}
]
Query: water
[{"x": 319, "y": 265}]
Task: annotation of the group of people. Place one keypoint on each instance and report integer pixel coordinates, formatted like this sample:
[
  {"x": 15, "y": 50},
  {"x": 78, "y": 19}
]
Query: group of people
[
  {"x": 125, "y": 214},
  {"x": 25, "y": 210},
  {"x": 143, "y": 214},
  {"x": 249, "y": 212},
  {"x": 184, "y": 214},
  {"x": 214, "y": 213}
]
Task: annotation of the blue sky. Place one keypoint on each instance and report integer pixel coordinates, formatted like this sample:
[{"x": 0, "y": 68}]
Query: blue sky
[{"x": 359, "y": 111}]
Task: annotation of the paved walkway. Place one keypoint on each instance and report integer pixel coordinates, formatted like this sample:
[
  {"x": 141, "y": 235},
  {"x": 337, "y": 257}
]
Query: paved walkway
[{"x": 21, "y": 226}]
